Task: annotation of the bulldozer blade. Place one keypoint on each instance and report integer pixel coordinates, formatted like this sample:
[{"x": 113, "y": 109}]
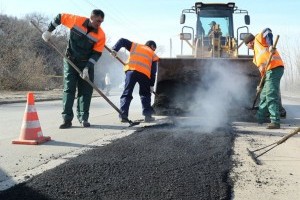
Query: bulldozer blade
[{"x": 184, "y": 81}]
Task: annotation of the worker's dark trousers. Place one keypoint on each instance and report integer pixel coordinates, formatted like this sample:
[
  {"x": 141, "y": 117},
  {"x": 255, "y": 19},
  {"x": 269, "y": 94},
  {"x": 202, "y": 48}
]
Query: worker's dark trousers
[
  {"x": 133, "y": 77},
  {"x": 72, "y": 80},
  {"x": 269, "y": 96}
]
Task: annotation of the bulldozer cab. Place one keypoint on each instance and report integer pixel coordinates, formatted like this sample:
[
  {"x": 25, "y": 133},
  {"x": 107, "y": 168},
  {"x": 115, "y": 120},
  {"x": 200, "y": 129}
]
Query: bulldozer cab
[
  {"x": 209, "y": 70},
  {"x": 214, "y": 31},
  {"x": 212, "y": 18}
]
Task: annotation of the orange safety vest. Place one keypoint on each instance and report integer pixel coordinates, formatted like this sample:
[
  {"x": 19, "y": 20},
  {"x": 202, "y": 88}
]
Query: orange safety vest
[
  {"x": 262, "y": 54},
  {"x": 76, "y": 22},
  {"x": 140, "y": 59}
]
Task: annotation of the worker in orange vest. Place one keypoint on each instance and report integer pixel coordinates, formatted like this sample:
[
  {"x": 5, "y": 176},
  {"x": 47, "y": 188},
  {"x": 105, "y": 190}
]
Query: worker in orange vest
[
  {"x": 86, "y": 43},
  {"x": 262, "y": 44},
  {"x": 141, "y": 68}
]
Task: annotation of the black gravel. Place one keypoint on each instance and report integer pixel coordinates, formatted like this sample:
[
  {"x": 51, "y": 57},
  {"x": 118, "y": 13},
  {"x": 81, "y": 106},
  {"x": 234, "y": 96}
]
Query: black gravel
[{"x": 162, "y": 162}]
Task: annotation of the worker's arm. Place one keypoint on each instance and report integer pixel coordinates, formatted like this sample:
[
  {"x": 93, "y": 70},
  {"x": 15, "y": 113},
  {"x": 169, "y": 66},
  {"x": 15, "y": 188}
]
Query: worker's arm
[
  {"x": 268, "y": 35},
  {"x": 68, "y": 20},
  {"x": 51, "y": 27},
  {"x": 54, "y": 23},
  {"x": 153, "y": 73},
  {"x": 94, "y": 58},
  {"x": 65, "y": 19},
  {"x": 122, "y": 43}
]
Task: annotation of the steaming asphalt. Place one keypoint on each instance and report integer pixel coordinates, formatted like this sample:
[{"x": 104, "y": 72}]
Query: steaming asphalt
[
  {"x": 165, "y": 161},
  {"x": 180, "y": 159}
]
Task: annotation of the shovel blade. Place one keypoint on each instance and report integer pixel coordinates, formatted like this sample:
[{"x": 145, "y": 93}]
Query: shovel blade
[{"x": 131, "y": 123}]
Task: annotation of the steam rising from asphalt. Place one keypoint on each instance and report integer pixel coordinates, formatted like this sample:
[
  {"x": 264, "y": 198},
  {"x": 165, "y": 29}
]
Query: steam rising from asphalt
[
  {"x": 108, "y": 64},
  {"x": 222, "y": 90}
]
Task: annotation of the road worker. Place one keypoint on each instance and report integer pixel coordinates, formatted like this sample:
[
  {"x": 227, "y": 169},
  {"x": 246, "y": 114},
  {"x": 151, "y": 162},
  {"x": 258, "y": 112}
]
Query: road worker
[
  {"x": 85, "y": 47},
  {"x": 262, "y": 44},
  {"x": 141, "y": 68}
]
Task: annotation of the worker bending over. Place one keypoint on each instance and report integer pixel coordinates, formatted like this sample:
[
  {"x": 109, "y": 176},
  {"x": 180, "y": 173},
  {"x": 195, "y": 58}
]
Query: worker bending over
[
  {"x": 262, "y": 44},
  {"x": 141, "y": 68}
]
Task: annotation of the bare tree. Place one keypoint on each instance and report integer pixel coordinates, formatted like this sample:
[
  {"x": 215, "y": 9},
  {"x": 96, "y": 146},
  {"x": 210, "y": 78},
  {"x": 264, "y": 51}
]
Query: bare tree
[
  {"x": 38, "y": 18},
  {"x": 290, "y": 54},
  {"x": 27, "y": 62}
]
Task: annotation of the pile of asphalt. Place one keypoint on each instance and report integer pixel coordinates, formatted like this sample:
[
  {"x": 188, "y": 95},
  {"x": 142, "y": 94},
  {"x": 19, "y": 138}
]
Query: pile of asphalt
[{"x": 160, "y": 162}]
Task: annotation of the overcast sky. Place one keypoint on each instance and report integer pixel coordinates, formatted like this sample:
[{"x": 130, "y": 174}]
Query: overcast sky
[{"x": 141, "y": 20}]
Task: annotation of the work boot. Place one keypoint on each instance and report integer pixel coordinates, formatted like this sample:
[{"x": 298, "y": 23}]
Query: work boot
[
  {"x": 66, "y": 124},
  {"x": 85, "y": 123},
  {"x": 273, "y": 126},
  {"x": 282, "y": 113},
  {"x": 149, "y": 119},
  {"x": 123, "y": 120}
]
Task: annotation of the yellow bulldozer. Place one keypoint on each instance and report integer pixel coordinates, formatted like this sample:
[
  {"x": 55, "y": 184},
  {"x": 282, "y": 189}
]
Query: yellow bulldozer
[{"x": 212, "y": 73}]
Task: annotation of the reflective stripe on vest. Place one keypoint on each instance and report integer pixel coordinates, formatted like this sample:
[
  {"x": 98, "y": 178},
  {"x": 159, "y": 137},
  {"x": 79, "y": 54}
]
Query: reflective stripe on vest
[
  {"x": 262, "y": 54},
  {"x": 141, "y": 58},
  {"x": 83, "y": 31},
  {"x": 76, "y": 22}
]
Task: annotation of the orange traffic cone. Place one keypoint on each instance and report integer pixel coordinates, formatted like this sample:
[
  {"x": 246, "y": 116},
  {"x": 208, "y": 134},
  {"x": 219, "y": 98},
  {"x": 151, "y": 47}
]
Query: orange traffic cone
[{"x": 31, "y": 131}]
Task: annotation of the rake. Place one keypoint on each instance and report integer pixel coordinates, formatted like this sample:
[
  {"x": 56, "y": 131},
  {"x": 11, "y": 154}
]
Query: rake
[{"x": 270, "y": 146}]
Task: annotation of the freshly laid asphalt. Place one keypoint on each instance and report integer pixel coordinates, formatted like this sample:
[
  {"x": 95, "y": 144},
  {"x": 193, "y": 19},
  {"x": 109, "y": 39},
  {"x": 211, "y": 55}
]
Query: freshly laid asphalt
[
  {"x": 167, "y": 162},
  {"x": 155, "y": 162}
]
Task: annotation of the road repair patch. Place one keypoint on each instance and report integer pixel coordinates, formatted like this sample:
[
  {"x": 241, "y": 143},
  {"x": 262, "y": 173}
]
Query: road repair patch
[{"x": 158, "y": 162}]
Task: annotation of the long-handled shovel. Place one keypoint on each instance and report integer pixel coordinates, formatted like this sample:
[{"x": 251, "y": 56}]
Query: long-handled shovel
[
  {"x": 263, "y": 78},
  {"x": 131, "y": 123},
  {"x": 123, "y": 63},
  {"x": 271, "y": 146}
]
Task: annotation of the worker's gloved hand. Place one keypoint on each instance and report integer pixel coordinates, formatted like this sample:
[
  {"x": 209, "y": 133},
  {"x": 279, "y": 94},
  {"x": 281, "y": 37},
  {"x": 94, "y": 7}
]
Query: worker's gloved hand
[
  {"x": 46, "y": 36},
  {"x": 85, "y": 73},
  {"x": 272, "y": 49},
  {"x": 151, "y": 89},
  {"x": 113, "y": 53}
]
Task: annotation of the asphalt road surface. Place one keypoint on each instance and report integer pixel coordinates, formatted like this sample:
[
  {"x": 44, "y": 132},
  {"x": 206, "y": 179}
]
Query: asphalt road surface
[{"x": 159, "y": 162}]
